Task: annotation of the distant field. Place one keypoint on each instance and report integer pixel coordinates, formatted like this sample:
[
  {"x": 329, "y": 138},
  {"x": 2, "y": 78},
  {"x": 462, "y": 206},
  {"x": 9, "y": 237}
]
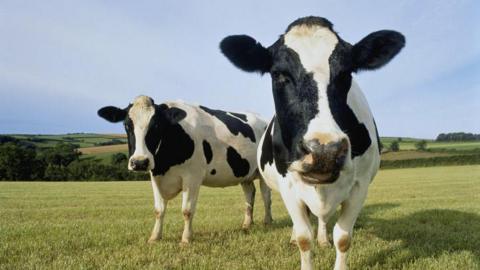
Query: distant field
[
  {"x": 82, "y": 139},
  {"x": 425, "y": 218},
  {"x": 409, "y": 144},
  {"x": 104, "y": 149},
  {"x": 89, "y": 140},
  {"x": 90, "y": 150},
  {"x": 124, "y": 136},
  {"x": 410, "y": 154},
  {"x": 102, "y": 157},
  {"x": 103, "y": 153}
]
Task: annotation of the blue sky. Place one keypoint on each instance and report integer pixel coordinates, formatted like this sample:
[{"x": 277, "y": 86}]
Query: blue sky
[{"x": 60, "y": 61}]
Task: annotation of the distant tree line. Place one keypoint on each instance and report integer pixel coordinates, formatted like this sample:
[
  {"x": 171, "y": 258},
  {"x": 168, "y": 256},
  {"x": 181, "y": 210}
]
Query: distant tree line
[
  {"x": 457, "y": 136},
  {"x": 454, "y": 160},
  {"x": 111, "y": 142},
  {"x": 20, "y": 160}
]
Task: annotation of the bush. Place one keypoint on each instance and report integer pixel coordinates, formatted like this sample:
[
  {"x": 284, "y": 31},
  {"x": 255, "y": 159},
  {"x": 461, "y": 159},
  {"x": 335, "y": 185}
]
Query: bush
[
  {"x": 421, "y": 145},
  {"x": 118, "y": 158},
  {"x": 56, "y": 173},
  {"x": 59, "y": 163},
  {"x": 394, "y": 146},
  {"x": 61, "y": 154},
  {"x": 430, "y": 162},
  {"x": 111, "y": 142},
  {"x": 94, "y": 171},
  {"x": 18, "y": 162}
]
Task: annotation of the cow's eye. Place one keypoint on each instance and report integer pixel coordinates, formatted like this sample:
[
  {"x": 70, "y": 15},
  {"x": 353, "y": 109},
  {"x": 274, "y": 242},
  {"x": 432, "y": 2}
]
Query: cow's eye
[
  {"x": 128, "y": 125},
  {"x": 281, "y": 78}
]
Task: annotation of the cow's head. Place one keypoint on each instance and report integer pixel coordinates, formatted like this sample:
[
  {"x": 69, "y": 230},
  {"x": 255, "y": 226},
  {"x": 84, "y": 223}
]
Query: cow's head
[
  {"x": 144, "y": 123},
  {"x": 315, "y": 132}
]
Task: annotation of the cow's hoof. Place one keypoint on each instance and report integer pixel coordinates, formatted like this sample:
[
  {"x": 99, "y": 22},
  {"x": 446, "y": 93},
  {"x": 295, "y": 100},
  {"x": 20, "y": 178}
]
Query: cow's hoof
[
  {"x": 152, "y": 241},
  {"x": 324, "y": 244},
  {"x": 246, "y": 227},
  {"x": 268, "y": 222},
  {"x": 184, "y": 243}
]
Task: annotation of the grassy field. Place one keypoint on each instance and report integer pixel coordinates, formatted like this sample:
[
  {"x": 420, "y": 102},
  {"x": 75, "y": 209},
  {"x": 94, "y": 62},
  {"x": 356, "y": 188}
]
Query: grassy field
[
  {"x": 407, "y": 147},
  {"x": 409, "y": 144},
  {"x": 410, "y": 154},
  {"x": 82, "y": 139},
  {"x": 90, "y": 150},
  {"x": 104, "y": 153},
  {"x": 94, "y": 150},
  {"x": 90, "y": 139},
  {"x": 425, "y": 218}
]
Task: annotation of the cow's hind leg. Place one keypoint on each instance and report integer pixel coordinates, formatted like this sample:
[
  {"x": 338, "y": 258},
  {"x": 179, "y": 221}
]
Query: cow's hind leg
[
  {"x": 249, "y": 192},
  {"x": 160, "y": 205},
  {"x": 342, "y": 232},
  {"x": 322, "y": 234},
  {"x": 267, "y": 201},
  {"x": 189, "y": 201}
]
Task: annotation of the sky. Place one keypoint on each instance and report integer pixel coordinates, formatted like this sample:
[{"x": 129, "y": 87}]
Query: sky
[{"x": 60, "y": 61}]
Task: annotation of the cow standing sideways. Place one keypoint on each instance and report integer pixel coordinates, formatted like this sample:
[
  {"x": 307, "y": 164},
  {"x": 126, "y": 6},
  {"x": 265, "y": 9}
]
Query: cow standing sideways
[
  {"x": 321, "y": 149},
  {"x": 185, "y": 146}
]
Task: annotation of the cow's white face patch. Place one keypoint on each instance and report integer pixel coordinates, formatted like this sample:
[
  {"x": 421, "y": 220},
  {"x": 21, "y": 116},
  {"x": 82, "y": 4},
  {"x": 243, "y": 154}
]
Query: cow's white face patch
[
  {"x": 314, "y": 45},
  {"x": 141, "y": 113}
]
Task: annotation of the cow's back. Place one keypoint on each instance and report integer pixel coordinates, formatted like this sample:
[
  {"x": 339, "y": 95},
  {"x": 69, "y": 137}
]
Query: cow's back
[{"x": 225, "y": 144}]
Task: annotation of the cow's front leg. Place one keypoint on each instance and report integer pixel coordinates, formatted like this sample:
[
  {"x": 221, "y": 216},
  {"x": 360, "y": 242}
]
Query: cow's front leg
[
  {"x": 302, "y": 230},
  {"x": 322, "y": 235},
  {"x": 342, "y": 232},
  {"x": 293, "y": 238},
  {"x": 249, "y": 192},
  {"x": 189, "y": 202},
  {"x": 160, "y": 205}
]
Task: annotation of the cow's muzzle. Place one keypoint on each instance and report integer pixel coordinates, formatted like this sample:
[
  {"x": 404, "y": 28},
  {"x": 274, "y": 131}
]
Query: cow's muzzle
[
  {"x": 322, "y": 163},
  {"x": 139, "y": 164}
]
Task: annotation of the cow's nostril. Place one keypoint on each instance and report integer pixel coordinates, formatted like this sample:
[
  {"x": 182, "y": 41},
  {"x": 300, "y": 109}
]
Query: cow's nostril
[
  {"x": 312, "y": 146},
  {"x": 340, "y": 161},
  {"x": 344, "y": 145},
  {"x": 302, "y": 149}
]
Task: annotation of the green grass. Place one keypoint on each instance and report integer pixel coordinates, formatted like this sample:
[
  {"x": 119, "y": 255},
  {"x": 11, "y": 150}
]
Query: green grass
[
  {"x": 102, "y": 157},
  {"x": 426, "y": 218},
  {"x": 410, "y": 154}
]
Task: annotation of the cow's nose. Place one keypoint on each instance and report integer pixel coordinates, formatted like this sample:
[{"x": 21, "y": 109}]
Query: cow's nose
[
  {"x": 139, "y": 164},
  {"x": 324, "y": 157}
]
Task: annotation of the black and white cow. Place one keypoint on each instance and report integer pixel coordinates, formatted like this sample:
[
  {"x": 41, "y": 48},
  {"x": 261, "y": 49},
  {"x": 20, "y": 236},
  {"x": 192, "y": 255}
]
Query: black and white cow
[
  {"x": 185, "y": 146},
  {"x": 321, "y": 149}
]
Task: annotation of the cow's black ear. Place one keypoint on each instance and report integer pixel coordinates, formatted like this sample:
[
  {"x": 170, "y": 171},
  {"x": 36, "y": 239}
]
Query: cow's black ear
[
  {"x": 246, "y": 53},
  {"x": 376, "y": 49},
  {"x": 174, "y": 115},
  {"x": 112, "y": 114}
]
